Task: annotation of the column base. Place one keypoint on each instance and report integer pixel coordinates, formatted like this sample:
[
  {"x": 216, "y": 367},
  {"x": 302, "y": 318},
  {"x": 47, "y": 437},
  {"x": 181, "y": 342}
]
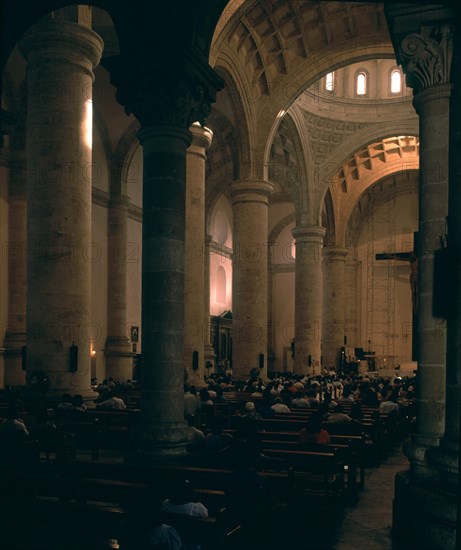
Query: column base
[
  {"x": 119, "y": 359},
  {"x": 415, "y": 450},
  {"x": 159, "y": 444},
  {"x": 14, "y": 375},
  {"x": 445, "y": 459},
  {"x": 424, "y": 516},
  {"x": 12, "y": 362}
]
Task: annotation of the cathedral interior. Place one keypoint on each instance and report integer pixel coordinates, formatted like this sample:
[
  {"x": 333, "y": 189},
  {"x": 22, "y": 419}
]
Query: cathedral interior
[{"x": 212, "y": 186}]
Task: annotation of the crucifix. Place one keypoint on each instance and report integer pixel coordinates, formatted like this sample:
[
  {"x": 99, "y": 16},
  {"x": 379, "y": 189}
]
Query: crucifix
[{"x": 413, "y": 259}]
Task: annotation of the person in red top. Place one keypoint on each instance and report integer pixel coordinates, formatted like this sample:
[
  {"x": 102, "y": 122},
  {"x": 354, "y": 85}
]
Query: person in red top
[{"x": 313, "y": 432}]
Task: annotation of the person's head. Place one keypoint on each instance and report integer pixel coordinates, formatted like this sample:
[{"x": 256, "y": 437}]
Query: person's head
[
  {"x": 356, "y": 411},
  {"x": 204, "y": 395},
  {"x": 314, "y": 423},
  {"x": 181, "y": 492},
  {"x": 66, "y": 398},
  {"x": 13, "y": 412},
  {"x": 250, "y": 406},
  {"x": 338, "y": 409},
  {"x": 77, "y": 400}
]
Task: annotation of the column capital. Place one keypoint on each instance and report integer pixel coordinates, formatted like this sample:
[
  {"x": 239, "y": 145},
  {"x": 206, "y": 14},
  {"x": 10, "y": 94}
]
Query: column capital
[
  {"x": 63, "y": 41},
  {"x": 426, "y": 56},
  {"x": 250, "y": 190},
  {"x": 167, "y": 90},
  {"x": 308, "y": 233},
  {"x": 201, "y": 136}
]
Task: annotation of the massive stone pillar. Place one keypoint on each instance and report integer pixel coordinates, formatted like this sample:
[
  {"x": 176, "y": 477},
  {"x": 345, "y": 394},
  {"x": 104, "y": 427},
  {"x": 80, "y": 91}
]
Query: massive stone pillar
[
  {"x": 249, "y": 276},
  {"x": 424, "y": 504},
  {"x": 15, "y": 337},
  {"x": 117, "y": 350},
  {"x": 333, "y": 330},
  {"x": 308, "y": 298},
  {"x": 352, "y": 303},
  {"x": 432, "y": 103},
  {"x": 61, "y": 56},
  {"x": 166, "y": 96},
  {"x": 195, "y": 324}
]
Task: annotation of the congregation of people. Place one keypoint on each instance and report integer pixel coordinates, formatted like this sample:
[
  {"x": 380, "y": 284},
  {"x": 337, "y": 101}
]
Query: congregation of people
[{"x": 328, "y": 400}]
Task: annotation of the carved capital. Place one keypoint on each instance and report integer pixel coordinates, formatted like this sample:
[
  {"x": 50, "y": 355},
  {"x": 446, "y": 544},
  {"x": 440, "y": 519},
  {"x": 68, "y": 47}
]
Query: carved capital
[
  {"x": 173, "y": 92},
  {"x": 157, "y": 100},
  {"x": 426, "y": 57}
]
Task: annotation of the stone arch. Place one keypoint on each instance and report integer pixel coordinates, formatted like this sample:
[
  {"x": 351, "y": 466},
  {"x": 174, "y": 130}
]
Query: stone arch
[{"x": 329, "y": 170}]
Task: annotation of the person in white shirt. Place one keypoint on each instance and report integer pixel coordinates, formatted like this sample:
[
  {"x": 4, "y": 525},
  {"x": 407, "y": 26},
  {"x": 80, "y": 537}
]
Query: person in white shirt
[
  {"x": 181, "y": 501},
  {"x": 279, "y": 407},
  {"x": 112, "y": 402}
]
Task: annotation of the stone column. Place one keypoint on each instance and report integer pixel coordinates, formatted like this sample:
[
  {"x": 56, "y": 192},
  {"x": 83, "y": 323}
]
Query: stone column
[
  {"x": 195, "y": 324},
  {"x": 208, "y": 350},
  {"x": 446, "y": 457},
  {"x": 333, "y": 329},
  {"x": 166, "y": 96},
  {"x": 432, "y": 103},
  {"x": 15, "y": 337},
  {"x": 352, "y": 303},
  {"x": 61, "y": 56},
  {"x": 424, "y": 504},
  {"x": 308, "y": 298},
  {"x": 119, "y": 358},
  {"x": 250, "y": 201}
]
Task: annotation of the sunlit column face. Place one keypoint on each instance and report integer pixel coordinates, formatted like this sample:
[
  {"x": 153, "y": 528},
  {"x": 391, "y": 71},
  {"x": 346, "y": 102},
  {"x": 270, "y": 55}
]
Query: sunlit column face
[{"x": 87, "y": 124}]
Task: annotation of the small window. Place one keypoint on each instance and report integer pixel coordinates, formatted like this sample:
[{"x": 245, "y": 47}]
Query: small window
[
  {"x": 330, "y": 82},
  {"x": 396, "y": 81},
  {"x": 361, "y": 84}
]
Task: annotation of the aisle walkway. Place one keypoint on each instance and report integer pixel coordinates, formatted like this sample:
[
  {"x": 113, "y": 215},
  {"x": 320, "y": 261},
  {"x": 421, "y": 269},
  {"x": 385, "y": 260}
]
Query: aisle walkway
[{"x": 367, "y": 526}]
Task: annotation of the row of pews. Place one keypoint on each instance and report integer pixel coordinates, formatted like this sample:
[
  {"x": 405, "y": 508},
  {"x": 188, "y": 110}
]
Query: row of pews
[{"x": 79, "y": 504}]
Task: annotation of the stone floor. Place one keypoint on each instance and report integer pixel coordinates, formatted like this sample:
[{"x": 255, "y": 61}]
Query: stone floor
[{"x": 367, "y": 526}]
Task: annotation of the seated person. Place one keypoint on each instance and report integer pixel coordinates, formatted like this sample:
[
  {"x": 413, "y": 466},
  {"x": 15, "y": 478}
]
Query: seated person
[
  {"x": 217, "y": 440},
  {"x": 65, "y": 403},
  {"x": 144, "y": 529},
  {"x": 78, "y": 404},
  {"x": 338, "y": 415},
  {"x": 279, "y": 407},
  {"x": 181, "y": 501},
  {"x": 12, "y": 424},
  {"x": 111, "y": 402},
  {"x": 313, "y": 431}
]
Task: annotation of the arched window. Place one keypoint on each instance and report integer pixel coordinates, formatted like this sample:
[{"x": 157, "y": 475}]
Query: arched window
[
  {"x": 221, "y": 285},
  {"x": 330, "y": 82},
  {"x": 396, "y": 81},
  {"x": 361, "y": 84}
]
